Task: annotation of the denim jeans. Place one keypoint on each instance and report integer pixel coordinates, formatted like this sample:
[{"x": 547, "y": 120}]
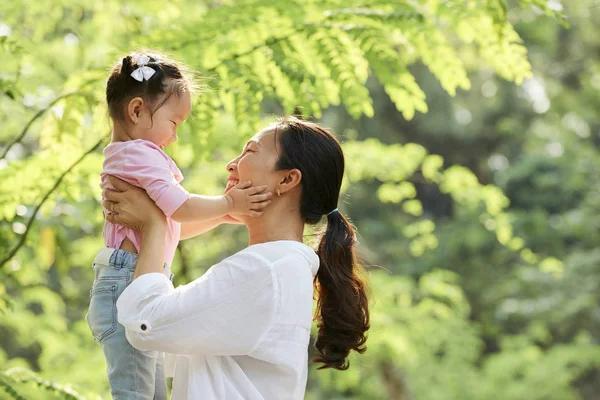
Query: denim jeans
[{"x": 132, "y": 373}]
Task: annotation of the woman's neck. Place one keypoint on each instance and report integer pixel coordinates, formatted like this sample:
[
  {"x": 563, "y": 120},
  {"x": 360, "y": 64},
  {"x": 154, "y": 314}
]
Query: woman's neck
[{"x": 282, "y": 223}]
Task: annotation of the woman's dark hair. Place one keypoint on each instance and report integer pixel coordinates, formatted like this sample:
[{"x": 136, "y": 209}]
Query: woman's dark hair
[
  {"x": 170, "y": 78},
  {"x": 342, "y": 304}
]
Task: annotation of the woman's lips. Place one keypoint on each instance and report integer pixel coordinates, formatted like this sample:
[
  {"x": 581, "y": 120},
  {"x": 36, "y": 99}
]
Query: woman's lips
[{"x": 231, "y": 183}]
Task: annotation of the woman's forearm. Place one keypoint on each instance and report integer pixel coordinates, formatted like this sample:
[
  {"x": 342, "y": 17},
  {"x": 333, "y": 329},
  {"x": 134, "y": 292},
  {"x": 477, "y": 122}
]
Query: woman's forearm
[{"x": 152, "y": 252}]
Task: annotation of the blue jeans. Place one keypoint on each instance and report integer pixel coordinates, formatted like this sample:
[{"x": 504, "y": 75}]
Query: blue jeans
[{"x": 132, "y": 373}]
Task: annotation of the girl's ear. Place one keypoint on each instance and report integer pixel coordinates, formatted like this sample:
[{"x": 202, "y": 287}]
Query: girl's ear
[{"x": 134, "y": 107}]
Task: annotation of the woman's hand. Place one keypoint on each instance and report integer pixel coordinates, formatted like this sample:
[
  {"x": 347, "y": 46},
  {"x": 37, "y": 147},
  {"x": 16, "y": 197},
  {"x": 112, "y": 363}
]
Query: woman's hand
[{"x": 130, "y": 206}]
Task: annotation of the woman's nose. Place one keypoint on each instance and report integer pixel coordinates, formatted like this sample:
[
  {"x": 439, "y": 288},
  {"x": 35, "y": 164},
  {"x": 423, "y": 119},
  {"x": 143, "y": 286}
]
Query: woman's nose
[{"x": 231, "y": 166}]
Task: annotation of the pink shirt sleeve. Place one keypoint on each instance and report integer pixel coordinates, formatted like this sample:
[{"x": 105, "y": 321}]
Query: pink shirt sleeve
[{"x": 150, "y": 168}]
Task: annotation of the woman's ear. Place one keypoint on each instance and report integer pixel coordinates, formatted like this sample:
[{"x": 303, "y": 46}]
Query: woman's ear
[
  {"x": 291, "y": 179},
  {"x": 134, "y": 108}
]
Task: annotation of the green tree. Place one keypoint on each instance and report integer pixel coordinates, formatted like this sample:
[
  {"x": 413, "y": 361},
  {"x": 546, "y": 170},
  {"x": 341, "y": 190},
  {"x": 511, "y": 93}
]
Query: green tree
[
  {"x": 256, "y": 58},
  {"x": 538, "y": 143}
]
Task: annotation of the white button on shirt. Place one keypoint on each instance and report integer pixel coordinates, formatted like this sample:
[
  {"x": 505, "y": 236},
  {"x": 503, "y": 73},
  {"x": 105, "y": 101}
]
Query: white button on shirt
[{"x": 241, "y": 331}]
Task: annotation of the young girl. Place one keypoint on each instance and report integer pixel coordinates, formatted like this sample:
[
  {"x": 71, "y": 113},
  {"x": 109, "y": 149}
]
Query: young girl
[{"x": 148, "y": 98}]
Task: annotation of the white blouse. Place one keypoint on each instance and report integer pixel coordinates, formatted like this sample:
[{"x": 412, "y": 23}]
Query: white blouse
[{"x": 241, "y": 331}]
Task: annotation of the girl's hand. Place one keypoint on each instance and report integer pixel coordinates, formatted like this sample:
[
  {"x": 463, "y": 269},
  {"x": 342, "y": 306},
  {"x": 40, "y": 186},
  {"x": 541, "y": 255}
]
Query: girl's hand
[
  {"x": 228, "y": 219},
  {"x": 244, "y": 199},
  {"x": 130, "y": 206}
]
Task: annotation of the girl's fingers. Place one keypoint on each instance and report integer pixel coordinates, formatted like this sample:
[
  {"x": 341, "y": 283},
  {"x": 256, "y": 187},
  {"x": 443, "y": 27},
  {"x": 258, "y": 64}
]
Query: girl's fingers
[
  {"x": 261, "y": 197},
  {"x": 260, "y": 206},
  {"x": 257, "y": 189},
  {"x": 243, "y": 185},
  {"x": 256, "y": 213}
]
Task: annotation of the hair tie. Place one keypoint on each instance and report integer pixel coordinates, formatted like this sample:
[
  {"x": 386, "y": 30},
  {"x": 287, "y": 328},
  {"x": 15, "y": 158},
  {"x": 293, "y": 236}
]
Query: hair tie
[{"x": 331, "y": 212}]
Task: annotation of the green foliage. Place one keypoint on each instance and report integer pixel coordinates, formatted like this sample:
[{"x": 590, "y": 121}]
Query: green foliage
[
  {"x": 492, "y": 273},
  {"x": 396, "y": 166},
  {"x": 18, "y": 376},
  {"x": 423, "y": 345}
]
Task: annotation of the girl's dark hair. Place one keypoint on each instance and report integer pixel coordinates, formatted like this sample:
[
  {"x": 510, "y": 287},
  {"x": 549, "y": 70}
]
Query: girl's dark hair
[
  {"x": 169, "y": 78},
  {"x": 342, "y": 304}
]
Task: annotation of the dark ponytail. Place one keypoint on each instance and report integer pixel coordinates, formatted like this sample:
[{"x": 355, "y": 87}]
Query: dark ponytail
[{"x": 342, "y": 305}]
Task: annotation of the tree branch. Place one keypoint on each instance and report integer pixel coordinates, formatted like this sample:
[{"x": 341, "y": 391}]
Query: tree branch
[
  {"x": 12, "y": 253},
  {"x": 34, "y": 118},
  {"x": 273, "y": 40},
  {"x": 266, "y": 43}
]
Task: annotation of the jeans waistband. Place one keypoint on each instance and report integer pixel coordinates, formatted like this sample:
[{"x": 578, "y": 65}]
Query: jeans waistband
[{"x": 118, "y": 258}]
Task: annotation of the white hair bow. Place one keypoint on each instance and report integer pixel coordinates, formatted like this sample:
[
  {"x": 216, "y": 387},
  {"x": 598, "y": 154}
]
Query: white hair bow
[{"x": 143, "y": 71}]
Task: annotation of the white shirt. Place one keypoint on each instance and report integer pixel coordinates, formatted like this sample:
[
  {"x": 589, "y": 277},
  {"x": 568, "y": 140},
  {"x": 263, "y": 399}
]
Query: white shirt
[{"x": 241, "y": 331}]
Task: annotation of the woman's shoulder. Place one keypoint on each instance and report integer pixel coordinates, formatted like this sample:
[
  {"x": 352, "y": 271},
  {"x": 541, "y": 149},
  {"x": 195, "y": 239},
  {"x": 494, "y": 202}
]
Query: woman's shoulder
[
  {"x": 264, "y": 263},
  {"x": 272, "y": 253}
]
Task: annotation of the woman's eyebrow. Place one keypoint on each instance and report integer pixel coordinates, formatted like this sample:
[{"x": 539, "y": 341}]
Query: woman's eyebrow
[{"x": 249, "y": 142}]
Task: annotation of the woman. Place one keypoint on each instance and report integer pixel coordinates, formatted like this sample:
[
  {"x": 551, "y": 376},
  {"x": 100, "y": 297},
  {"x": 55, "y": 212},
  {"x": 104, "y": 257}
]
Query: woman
[{"x": 241, "y": 331}]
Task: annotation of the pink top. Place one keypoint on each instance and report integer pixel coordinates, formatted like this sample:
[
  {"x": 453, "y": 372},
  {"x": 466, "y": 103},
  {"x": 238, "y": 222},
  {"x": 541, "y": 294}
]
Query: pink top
[{"x": 144, "y": 164}]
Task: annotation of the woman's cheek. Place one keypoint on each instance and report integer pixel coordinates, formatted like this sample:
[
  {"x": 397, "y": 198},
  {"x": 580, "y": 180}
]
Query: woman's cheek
[{"x": 244, "y": 169}]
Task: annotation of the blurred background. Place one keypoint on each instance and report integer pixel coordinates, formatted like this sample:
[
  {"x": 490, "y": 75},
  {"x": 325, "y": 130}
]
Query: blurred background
[{"x": 472, "y": 140}]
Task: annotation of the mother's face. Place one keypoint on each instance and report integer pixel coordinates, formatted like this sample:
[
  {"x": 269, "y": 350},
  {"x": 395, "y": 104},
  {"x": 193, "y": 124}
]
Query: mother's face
[{"x": 257, "y": 162}]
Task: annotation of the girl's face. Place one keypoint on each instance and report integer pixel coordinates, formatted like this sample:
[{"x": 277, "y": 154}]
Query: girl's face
[
  {"x": 257, "y": 162},
  {"x": 161, "y": 127}
]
